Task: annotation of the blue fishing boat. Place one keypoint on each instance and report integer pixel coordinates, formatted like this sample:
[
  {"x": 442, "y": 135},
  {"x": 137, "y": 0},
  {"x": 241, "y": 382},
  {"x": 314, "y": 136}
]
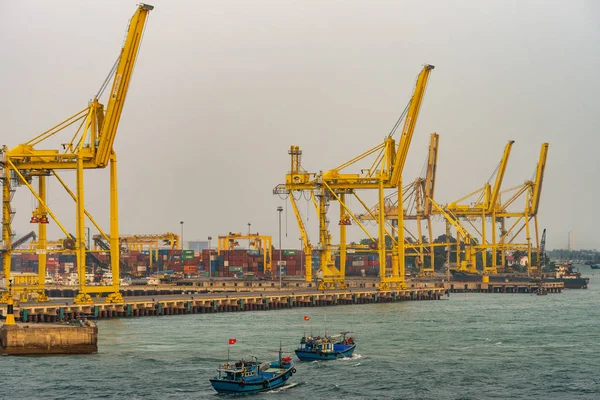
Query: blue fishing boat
[
  {"x": 250, "y": 377},
  {"x": 325, "y": 348}
]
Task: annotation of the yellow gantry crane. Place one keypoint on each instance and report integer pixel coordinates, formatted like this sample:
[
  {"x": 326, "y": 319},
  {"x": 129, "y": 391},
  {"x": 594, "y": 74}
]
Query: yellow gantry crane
[
  {"x": 306, "y": 245},
  {"x": 258, "y": 242},
  {"x": 483, "y": 208},
  {"x": 51, "y": 245},
  {"x": 462, "y": 236},
  {"x": 385, "y": 172},
  {"x": 532, "y": 190},
  {"x": 91, "y": 147},
  {"x": 140, "y": 242},
  {"x": 418, "y": 194}
]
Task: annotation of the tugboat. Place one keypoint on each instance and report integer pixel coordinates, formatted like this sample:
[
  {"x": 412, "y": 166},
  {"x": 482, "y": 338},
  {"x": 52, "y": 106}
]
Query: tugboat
[
  {"x": 326, "y": 347},
  {"x": 251, "y": 377},
  {"x": 569, "y": 276}
]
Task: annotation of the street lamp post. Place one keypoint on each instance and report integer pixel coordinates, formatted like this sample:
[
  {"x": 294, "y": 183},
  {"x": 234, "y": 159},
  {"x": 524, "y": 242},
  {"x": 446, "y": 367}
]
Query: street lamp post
[
  {"x": 209, "y": 258},
  {"x": 181, "y": 237},
  {"x": 249, "y": 228},
  {"x": 280, "y": 209}
]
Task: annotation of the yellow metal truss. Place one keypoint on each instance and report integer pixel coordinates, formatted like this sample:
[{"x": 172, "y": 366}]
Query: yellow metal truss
[
  {"x": 258, "y": 242},
  {"x": 385, "y": 172},
  {"x": 91, "y": 147}
]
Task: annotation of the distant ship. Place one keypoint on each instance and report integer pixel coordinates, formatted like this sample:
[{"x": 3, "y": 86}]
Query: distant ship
[
  {"x": 569, "y": 276},
  {"x": 594, "y": 266}
]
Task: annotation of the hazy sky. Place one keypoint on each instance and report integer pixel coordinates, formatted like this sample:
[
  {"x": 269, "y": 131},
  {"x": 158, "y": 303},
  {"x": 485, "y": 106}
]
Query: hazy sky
[{"x": 223, "y": 88}]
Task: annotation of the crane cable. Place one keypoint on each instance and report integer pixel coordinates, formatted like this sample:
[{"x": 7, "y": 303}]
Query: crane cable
[
  {"x": 397, "y": 124},
  {"x": 108, "y": 78},
  {"x": 425, "y": 167},
  {"x": 114, "y": 67},
  {"x": 495, "y": 172},
  {"x": 284, "y": 197}
]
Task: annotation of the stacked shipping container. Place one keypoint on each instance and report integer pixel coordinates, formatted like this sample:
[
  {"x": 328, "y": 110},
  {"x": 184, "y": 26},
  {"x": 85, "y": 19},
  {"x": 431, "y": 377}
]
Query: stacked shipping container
[{"x": 230, "y": 263}]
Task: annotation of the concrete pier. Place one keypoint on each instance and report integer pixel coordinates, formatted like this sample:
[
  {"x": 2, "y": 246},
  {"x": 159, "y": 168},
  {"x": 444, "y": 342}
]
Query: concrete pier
[
  {"x": 193, "y": 303},
  {"x": 33, "y": 339},
  {"x": 502, "y": 287},
  {"x": 222, "y": 285}
]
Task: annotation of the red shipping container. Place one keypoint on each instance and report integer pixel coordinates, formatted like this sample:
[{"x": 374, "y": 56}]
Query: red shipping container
[{"x": 190, "y": 269}]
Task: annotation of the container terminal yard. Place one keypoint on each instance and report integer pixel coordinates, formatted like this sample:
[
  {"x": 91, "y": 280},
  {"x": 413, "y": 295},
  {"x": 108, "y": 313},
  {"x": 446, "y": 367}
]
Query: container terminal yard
[{"x": 49, "y": 280}]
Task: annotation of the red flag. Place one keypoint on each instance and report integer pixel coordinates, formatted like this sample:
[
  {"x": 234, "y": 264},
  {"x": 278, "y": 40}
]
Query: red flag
[
  {"x": 232, "y": 341},
  {"x": 306, "y": 318}
]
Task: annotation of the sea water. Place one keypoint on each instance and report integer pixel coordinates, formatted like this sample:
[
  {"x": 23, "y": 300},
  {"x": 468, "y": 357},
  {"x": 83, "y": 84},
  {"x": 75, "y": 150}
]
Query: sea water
[{"x": 467, "y": 346}]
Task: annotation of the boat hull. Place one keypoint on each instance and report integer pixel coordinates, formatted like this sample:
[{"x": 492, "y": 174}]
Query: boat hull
[
  {"x": 308, "y": 355},
  {"x": 471, "y": 277},
  {"x": 251, "y": 386},
  {"x": 571, "y": 283}
]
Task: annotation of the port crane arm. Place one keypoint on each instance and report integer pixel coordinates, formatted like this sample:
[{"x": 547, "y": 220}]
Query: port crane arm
[
  {"x": 303, "y": 233},
  {"x": 96, "y": 129},
  {"x": 108, "y": 123},
  {"x": 304, "y": 236},
  {"x": 542, "y": 255},
  {"x": 453, "y": 220},
  {"x": 499, "y": 177},
  {"x": 431, "y": 171},
  {"x": 539, "y": 178},
  {"x": 410, "y": 123}
]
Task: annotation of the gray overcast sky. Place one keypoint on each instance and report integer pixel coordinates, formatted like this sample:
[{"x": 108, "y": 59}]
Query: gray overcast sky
[{"x": 223, "y": 88}]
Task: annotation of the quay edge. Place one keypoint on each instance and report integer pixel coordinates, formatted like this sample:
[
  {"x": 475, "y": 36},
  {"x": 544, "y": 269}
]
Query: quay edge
[
  {"x": 45, "y": 339},
  {"x": 213, "y": 303}
]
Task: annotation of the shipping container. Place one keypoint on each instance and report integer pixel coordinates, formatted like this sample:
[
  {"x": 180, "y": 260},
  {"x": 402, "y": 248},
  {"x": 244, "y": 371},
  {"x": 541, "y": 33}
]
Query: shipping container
[
  {"x": 67, "y": 258},
  {"x": 190, "y": 269},
  {"x": 187, "y": 254}
]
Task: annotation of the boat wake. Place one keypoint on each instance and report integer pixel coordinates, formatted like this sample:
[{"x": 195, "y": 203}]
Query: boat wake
[
  {"x": 282, "y": 388},
  {"x": 353, "y": 357}
]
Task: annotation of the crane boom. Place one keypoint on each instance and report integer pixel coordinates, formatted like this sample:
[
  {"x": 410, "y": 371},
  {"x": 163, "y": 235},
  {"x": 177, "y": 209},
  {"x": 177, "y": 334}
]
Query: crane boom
[
  {"x": 305, "y": 241},
  {"x": 431, "y": 171},
  {"x": 410, "y": 123},
  {"x": 539, "y": 178},
  {"x": 542, "y": 257},
  {"x": 120, "y": 85},
  {"x": 500, "y": 177},
  {"x": 453, "y": 220}
]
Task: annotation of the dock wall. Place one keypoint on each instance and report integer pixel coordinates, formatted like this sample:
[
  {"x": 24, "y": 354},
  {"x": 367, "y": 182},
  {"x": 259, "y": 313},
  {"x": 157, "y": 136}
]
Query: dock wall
[
  {"x": 23, "y": 339},
  {"x": 191, "y": 304},
  {"x": 502, "y": 287}
]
